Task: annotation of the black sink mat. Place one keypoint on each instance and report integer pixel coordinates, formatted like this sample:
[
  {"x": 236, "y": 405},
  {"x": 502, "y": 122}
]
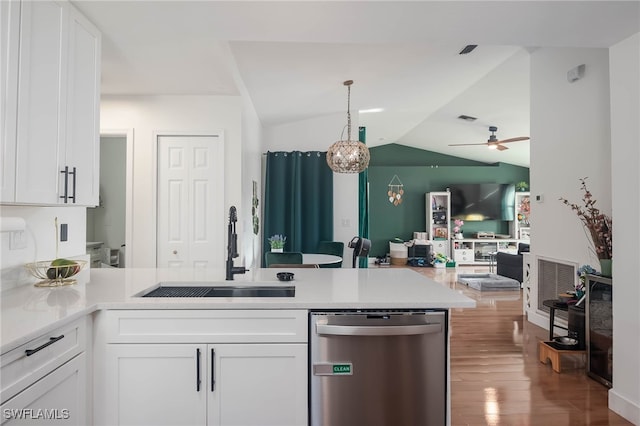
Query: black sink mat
[{"x": 186, "y": 291}]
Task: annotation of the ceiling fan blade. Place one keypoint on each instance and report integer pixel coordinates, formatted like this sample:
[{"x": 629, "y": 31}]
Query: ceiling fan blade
[
  {"x": 467, "y": 144},
  {"x": 500, "y": 147},
  {"x": 521, "y": 138}
]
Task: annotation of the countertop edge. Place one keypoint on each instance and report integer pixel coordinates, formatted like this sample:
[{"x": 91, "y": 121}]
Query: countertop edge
[
  {"x": 172, "y": 304},
  {"x": 119, "y": 290}
]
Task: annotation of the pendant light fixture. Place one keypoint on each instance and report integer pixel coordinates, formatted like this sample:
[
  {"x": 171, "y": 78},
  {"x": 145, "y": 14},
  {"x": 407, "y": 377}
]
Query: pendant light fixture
[{"x": 348, "y": 156}]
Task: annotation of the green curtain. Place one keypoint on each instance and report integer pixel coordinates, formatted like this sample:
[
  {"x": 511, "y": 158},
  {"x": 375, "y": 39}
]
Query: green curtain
[
  {"x": 363, "y": 200},
  {"x": 298, "y": 200}
]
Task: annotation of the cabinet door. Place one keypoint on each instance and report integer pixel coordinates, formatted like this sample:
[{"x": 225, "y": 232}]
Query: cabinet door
[
  {"x": 9, "y": 42},
  {"x": 83, "y": 103},
  {"x": 155, "y": 385},
  {"x": 441, "y": 246},
  {"x": 41, "y": 96},
  {"x": 258, "y": 384},
  {"x": 59, "y": 398},
  {"x": 463, "y": 256}
]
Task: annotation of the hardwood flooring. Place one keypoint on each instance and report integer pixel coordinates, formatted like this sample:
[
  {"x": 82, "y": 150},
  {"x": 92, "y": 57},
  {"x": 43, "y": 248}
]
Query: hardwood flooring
[{"x": 496, "y": 376}]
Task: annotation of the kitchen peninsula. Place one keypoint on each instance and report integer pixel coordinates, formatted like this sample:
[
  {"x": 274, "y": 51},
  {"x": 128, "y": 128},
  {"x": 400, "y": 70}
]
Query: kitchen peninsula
[{"x": 141, "y": 354}]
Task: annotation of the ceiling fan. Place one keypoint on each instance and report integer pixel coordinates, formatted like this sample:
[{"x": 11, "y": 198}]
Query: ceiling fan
[{"x": 493, "y": 142}]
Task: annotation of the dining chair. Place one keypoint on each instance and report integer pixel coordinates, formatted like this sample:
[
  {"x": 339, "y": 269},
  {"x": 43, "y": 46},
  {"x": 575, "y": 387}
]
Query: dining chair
[
  {"x": 335, "y": 248},
  {"x": 287, "y": 257},
  {"x": 294, "y": 265}
]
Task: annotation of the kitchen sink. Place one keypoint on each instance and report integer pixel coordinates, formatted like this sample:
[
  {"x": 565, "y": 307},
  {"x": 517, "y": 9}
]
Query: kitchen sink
[{"x": 168, "y": 290}]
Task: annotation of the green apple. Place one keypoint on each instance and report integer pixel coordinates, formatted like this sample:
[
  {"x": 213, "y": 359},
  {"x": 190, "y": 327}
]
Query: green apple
[{"x": 66, "y": 268}]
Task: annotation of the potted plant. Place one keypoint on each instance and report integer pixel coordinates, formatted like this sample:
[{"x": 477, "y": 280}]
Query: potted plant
[
  {"x": 277, "y": 242},
  {"x": 522, "y": 186},
  {"x": 580, "y": 286}
]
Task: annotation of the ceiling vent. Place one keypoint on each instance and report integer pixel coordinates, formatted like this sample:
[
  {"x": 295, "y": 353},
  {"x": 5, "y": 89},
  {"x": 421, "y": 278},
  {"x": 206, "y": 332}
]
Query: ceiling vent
[
  {"x": 467, "y": 118},
  {"x": 468, "y": 49}
]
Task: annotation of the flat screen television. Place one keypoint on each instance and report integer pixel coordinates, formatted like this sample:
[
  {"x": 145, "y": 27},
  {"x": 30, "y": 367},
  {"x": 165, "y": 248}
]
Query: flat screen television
[{"x": 482, "y": 201}]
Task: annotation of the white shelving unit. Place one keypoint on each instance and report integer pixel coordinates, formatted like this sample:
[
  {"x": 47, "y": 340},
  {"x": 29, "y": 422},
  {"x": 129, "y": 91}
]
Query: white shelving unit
[
  {"x": 438, "y": 208},
  {"x": 94, "y": 250},
  {"x": 478, "y": 251},
  {"x": 520, "y": 227},
  {"x": 111, "y": 256}
]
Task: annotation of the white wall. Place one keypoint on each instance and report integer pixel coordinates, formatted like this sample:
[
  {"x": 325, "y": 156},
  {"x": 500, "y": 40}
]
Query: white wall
[
  {"x": 40, "y": 238},
  {"x": 319, "y": 134},
  {"x": 576, "y": 130},
  {"x": 149, "y": 114},
  {"x": 570, "y": 139},
  {"x": 251, "y": 171},
  {"x": 624, "y": 398},
  {"x": 106, "y": 222}
]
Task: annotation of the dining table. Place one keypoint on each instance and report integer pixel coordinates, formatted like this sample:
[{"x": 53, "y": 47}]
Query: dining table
[{"x": 320, "y": 259}]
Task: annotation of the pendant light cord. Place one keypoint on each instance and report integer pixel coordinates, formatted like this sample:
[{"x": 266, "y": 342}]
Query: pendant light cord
[{"x": 348, "y": 83}]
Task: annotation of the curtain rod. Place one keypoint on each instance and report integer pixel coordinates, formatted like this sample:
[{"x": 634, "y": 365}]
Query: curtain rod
[{"x": 289, "y": 152}]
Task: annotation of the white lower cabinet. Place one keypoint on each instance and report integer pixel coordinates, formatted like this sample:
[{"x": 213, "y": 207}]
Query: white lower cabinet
[
  {"x": 153, "y": 385},
  {"x": 262, "y": 384},
  {"x": 440, "y": 246},
  {"x": 226, "y": 384},
  {"x": 179, "y": 383},
  {"x": 58, "y": 398},
  {"x": 45, "y": 380}
]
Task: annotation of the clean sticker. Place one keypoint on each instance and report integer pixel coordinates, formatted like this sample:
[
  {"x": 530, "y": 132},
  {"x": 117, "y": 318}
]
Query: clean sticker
[{"x": 333, "y": 369}]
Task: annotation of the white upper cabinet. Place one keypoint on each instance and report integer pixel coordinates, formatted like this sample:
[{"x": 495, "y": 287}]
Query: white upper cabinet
[
  {"x": 9, "y": 41},
  {"x": 57, "y": 107},
  {"x": 40, "y": 129},
  {"x": 83, "y": 106}
]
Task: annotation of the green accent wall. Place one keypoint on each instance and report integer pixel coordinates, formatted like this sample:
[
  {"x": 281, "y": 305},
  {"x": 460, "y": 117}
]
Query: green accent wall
[{"x": 421, "y": 172}]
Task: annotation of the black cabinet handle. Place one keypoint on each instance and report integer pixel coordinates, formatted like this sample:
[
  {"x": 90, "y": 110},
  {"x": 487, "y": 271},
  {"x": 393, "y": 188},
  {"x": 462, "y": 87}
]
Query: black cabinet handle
[
  {"x": 65, "y": 172},
  {"x": 213, "y": 370},
  {"x": 198, "y": 370},
  {"x": 51, "y": 341},
  {"x": 73, "y": 197}
]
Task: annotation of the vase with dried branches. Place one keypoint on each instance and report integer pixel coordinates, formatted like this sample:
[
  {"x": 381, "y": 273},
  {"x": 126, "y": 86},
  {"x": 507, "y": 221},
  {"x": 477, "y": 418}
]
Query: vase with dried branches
[{"x": 597, "y": 224}]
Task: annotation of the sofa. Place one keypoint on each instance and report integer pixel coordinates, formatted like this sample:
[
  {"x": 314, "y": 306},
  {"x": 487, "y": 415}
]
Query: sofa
[{"x": 510, "y": 265}]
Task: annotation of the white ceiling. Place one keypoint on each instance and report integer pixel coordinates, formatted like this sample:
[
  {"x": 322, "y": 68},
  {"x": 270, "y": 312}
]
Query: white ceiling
[{"x": 291, "y": 58}]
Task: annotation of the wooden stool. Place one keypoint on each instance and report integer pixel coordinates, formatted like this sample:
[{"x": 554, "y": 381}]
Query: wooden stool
[{"x": 554, "y": 355}]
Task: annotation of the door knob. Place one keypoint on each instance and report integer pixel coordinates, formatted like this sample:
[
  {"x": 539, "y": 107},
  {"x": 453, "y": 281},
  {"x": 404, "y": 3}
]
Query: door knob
[{"x": 175, "y": 252}]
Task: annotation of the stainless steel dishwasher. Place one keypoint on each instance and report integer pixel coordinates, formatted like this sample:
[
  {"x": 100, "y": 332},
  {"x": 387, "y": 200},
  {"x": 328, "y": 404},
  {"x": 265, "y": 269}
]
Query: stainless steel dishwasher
[{"x": 378, "y": 368}]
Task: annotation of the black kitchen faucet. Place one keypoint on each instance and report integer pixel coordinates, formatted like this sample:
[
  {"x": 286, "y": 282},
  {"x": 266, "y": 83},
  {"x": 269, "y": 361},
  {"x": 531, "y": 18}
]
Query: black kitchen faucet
[{"x": 232, "y": 247}]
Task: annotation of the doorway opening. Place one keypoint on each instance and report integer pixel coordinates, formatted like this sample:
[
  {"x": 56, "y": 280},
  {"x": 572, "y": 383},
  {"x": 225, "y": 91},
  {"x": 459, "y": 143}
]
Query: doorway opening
[{"x": 109, "y": 225}]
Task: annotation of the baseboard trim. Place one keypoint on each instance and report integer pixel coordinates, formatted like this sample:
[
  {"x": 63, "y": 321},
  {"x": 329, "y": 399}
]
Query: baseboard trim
[
  {"x": 625, "y": 408},
  {"x": 542, "y": 319}
]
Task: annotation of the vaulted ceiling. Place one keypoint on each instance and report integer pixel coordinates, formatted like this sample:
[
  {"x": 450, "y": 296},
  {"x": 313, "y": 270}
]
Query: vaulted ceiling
[{"x": 291, "y": 57}]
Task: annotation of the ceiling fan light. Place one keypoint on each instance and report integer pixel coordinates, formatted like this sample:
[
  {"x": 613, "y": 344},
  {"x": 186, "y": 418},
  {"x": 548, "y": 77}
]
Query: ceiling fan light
[
  {"x": 492, "y": 146},
  {"x": 348, "y": 156}
]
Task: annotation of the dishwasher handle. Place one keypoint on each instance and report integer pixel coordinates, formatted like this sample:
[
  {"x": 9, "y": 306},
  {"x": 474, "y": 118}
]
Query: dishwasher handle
[{"x": 385, "y": 330}]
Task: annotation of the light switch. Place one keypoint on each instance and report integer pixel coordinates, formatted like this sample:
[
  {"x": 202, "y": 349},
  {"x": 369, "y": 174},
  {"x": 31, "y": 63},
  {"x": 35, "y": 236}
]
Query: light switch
[{"x": 17, "y": 240}]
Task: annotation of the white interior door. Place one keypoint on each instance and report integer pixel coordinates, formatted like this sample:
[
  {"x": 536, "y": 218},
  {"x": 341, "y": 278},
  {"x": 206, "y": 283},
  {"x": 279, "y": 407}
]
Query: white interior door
[{"x": 190, "y": 202}]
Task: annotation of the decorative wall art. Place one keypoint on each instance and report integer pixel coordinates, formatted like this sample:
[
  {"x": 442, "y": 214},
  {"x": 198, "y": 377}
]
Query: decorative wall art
[
  {"x": 254, "y": 209},
  {"x": 395, "y": 191}
]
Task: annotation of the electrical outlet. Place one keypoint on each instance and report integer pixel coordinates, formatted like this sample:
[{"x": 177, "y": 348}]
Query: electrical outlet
[
  {"x": 63, "y": 232},
  {"x": 17, "y": 240}
]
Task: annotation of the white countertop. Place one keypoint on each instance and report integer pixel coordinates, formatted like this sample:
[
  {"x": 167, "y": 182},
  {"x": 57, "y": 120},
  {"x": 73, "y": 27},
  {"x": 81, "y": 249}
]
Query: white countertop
[{"x": 28, "y": 311}]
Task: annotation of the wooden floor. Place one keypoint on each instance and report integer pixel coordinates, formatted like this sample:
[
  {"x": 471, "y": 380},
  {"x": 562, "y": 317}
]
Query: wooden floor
[{"x": 496, "y": 376}]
